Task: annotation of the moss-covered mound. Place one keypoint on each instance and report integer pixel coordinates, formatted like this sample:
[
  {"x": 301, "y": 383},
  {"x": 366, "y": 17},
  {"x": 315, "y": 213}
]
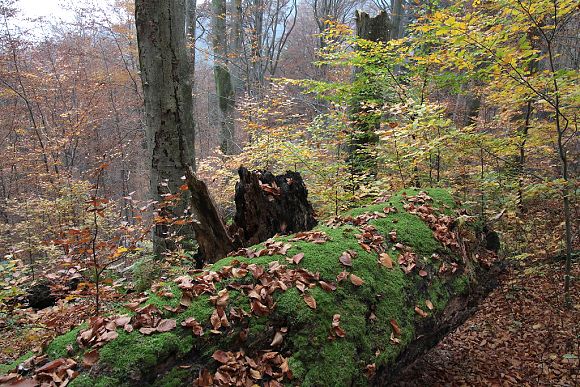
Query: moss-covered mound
[{"x": 327, "y": 307}]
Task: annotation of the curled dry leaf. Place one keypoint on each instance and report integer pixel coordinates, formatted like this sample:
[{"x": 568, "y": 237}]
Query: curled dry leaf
[
  {"x": 147, "y": 331},
  {"x": 122, "y": 321},
  {"x": 221, "y": 299},
  {"x": 256, "y": 270},
  {"x": 309, "y": 300},
  {"x": 394, "y": 340},
  {"x": 356, "y": 280},
  {"x": 345, "y": 259},
  {"x": 420, "y": 312},
  {"x": 370, "y": 370},
  {"x": 221, "y": 356},
  {"x": 296, "y": 259},
  {"x": 278, "y": 338},
  {"x": 255, "y": 374},
  {"x": 386, "y": 260},
  {"x": 341, "y": 276},
  {"x": 192, "y": 323},
  {"x": 90, "y": 358},
  {"x": 108, "y": 336},
  {"x": 205, "y": 379},
  {"x": 50, "y": 366},
  {"x": 284, "y": 249},
  {"x": 300, "y": 286},
  {"x": 336, "y": 328},
  {"x": 326, "y": 286},
  {"x": 259, "y": 309},
  {"x": 239, "y": 272},
  {"x": 186, "y": 300}
]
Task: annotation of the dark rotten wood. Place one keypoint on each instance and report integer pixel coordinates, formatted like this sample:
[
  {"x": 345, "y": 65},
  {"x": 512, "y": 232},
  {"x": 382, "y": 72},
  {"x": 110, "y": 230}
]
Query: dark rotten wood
[{"x": 267, "y": 205}]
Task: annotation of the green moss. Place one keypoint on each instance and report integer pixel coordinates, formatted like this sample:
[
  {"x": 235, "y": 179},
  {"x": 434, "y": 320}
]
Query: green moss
[
  {"x": 200, "y": 308},
  {"x": 177, "y": 377},
  {"x": 438, "y": 294},
  {"x": 85, "y": 380},
  {"x": 442, "y": 200},
  {"x": 411, "y": 231},
  {"x": 131, "y": 353},
  {"x": 58, "y": 347},
  {"x": 297, "y": 368},
  {"x": 145, "y": 270},
  {"x": 336, "y": 365},
  {"x": 161, "y": 302},
  {"x": 7, "y": 368},
  {"x": 365, "y": 311},
  {"x": 460, "y": 284}
]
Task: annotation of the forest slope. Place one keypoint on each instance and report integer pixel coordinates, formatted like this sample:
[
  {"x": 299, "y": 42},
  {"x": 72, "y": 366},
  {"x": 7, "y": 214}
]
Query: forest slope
[{"x": 338, "y": 305}]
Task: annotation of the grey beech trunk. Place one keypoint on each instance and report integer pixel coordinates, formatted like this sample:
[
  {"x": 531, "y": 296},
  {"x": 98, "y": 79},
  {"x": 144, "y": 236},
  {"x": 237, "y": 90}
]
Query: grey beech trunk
[
  {"x": 223, "y": 81},
  {"x": 166, "y": 78},
  {"x": 237, "y": 45},
  {"x": 396, "y": 19},
  {"x": 165, "y": 75}
]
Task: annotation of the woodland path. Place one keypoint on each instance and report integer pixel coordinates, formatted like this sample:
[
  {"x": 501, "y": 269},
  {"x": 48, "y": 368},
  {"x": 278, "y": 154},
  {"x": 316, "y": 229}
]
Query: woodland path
[{"x": 521, "y": 335}]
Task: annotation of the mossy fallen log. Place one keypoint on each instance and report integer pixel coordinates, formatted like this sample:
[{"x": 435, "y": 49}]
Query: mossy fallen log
[{"x": 348, "y": 303}]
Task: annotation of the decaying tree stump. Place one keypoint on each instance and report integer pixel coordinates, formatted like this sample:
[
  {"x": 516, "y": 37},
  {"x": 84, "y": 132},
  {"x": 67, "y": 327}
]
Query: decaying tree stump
[
  {"x": 267, "y": 205},
  {"x": 210, "y": 232}
]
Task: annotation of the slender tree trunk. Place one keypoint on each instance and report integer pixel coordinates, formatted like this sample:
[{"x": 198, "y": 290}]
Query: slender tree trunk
[
  {"x": 237, "y": 47},
  {"x": 396, "y": 19},
  {"x": 223, "y": 82}
]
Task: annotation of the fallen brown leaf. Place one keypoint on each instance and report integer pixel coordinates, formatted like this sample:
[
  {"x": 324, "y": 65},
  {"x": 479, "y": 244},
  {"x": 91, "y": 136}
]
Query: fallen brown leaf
[
  {"x": 345, "y": 259},
  {"x": 396, "y": 328},
  {"x": 309, "y": 300},
  {"x": 166, "y": 325},
  {"x": 420, "y": 312},
  {"x": 356, "y": 280},
  {"x": 90, "y": 358},
  {"x": 278, "y": 338},
  {"x": 386, "y": 260}
]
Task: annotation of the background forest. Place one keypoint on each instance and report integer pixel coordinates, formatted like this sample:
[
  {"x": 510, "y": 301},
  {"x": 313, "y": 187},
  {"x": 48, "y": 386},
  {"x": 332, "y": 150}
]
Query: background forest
[{"x": 480, "y": 97}]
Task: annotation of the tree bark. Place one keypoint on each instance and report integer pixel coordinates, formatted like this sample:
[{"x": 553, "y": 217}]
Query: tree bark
[
  {"x": 212, "y": 237},
  {"x": 223, "y": 82},
  {"x": 363, "y": 135},
  {"x": 267, "y": 205},
  {"x": 165, "y": 75}
]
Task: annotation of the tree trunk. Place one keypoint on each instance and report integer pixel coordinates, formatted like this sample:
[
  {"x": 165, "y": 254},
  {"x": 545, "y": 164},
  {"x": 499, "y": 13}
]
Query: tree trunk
[
  {"x": 165, "y": 76},
  {"x": 223, "y": 82},
  {"x": 328, "y": 307},
  {"x": 396, "y": 19},
  {"x": 364, "y": 121},
  {"x": 238, "y": 79}
]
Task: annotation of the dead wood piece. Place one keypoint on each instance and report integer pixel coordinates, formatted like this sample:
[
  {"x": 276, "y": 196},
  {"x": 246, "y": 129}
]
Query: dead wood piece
[{"x": 267, "y": 205}]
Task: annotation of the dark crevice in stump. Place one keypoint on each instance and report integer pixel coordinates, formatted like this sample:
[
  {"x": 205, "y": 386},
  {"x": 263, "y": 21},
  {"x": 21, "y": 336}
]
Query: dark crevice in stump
[{"x": 267, "y": 205}]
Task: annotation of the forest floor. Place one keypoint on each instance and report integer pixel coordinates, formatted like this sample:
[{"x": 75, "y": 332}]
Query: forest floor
[{"x": 521, "y": 334}]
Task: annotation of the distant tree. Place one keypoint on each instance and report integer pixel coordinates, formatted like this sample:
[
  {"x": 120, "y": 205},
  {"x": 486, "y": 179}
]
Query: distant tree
[{"x": 223, "y": 81}]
